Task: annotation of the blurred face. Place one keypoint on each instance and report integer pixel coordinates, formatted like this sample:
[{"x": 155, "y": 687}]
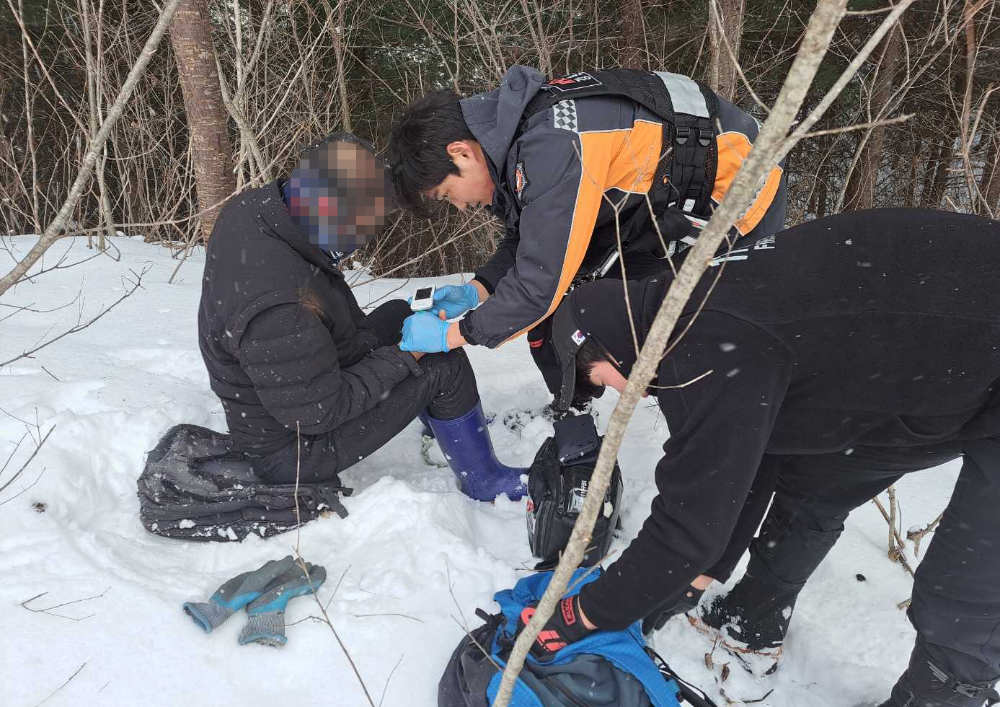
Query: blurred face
[
  {"x": 472, "y": 186},
  {"x": 338, "y": 195}
]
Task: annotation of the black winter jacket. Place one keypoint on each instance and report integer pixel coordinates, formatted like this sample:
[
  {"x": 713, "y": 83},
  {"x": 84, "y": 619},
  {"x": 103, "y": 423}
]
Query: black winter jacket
[
  {"x": 286, "y": 345},
  {"x": 878, "y": 328}
]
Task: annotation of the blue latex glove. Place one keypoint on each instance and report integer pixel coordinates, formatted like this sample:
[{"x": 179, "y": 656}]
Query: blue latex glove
[
  {"x": 425, "y": 332},
  {"x": 455, "y": 300}
]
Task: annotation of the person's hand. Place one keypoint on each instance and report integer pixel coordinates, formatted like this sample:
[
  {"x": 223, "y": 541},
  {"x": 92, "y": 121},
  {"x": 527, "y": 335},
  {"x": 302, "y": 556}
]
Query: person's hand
[
  {"x": 424, "y": 332},
  {"x": 567, "y": 625},
  {"x": 455, "y": 300},
  {"x": 687, "y": 601}
]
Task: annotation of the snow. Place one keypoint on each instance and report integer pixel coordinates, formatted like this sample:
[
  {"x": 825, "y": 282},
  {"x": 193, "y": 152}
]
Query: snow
[{"x": 413, "y": 560}]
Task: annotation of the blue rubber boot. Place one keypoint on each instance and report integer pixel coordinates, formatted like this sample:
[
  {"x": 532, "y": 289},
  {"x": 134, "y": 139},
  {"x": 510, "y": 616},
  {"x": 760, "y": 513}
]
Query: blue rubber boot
[
  {"x": 425, "y": 418},
  {"x": 466, "y": 444}
]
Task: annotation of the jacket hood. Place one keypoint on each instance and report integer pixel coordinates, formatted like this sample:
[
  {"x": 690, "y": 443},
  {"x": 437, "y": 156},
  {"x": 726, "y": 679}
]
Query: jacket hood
[{"x": 493, "y": 117}]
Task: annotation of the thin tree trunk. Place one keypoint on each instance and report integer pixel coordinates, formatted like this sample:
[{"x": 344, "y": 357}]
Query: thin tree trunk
[
  {"x": 942, "y": 168},
  {"x": 771, "y": 145},
  {"x": 860, "y": 192},
  {"x": 821, "y": 197},
  {"x": 632, "y": 47},
  {"x": 971, "y": 52},
  {"x": 29, "y": 109},
  {"x": 94, "y": 114},
  {"x": 339, "y": 34},
  {"x": 989, "y": 183},
  {"x": 53, "y": 231},
  {"x": 191, "y": 37},
  {"x": 723, "y": 75},
  {"x": 911, "y": 191}
]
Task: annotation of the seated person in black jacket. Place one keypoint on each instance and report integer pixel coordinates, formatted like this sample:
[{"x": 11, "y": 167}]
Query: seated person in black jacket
[
  {"x": 309, "y": 383},
  {"x": 840, "y": 355}
]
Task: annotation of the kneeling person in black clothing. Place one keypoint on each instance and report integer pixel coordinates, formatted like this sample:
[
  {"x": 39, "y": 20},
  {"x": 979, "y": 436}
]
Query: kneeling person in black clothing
[
  {"x": 840, "y": 355},
  {"x": 309, "y": 383}
]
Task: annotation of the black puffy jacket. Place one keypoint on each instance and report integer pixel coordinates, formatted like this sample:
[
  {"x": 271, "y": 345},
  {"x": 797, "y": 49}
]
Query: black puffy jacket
[{"x": 286, "y": 345}]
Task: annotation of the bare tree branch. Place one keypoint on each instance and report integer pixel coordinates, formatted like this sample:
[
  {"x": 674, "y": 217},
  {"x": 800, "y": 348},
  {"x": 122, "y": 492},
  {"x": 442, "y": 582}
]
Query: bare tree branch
[
  {"x": 54, "y": 230},
  {"x": 80, "y": 326}
]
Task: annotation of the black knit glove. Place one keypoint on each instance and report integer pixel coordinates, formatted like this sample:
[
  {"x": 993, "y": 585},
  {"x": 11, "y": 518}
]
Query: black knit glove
[
  {"x": 386, "y": 322},
  {"x": 685, "y": 602},
  {"x": 565, "y": 627}
]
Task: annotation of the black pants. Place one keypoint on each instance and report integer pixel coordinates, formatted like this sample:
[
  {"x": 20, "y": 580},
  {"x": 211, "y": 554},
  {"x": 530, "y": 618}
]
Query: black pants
[
  {"x": 446, "y": 388},
  {"x": 956, "y": 592}
]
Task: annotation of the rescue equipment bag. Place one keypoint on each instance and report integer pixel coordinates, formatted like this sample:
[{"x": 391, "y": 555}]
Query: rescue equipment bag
[{"x": 558, "y": 482}]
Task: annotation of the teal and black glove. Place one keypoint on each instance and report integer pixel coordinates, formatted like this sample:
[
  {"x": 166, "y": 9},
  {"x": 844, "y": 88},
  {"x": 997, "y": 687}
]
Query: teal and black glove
[
  {"x": 266, "y": 624},
  {"x": 455, "y": 300},
  {"x": 235, "y": 594}
]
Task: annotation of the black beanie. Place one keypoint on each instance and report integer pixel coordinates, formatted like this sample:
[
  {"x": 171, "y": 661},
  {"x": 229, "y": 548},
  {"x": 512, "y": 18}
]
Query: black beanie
[{"x": 600, "y": 312}]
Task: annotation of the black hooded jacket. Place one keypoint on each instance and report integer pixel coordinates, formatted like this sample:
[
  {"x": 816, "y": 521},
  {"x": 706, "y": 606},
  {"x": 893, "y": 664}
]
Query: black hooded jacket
[
  {"x": 877, "y": 328},
  {"x": 286, "y": 346}
]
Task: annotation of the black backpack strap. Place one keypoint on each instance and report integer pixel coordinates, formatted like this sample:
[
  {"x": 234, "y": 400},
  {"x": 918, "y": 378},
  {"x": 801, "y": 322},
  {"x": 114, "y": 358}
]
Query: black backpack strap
[
  {"x": 643, "y": 87},
  {"x": 688, "y": 109},
  {"x": 684, "y": 177},
  {"x": 688, "y": 692},
  {"x": 689, "y": 174}
]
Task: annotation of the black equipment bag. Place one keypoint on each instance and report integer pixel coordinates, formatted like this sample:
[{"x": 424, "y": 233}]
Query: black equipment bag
[
  {"x": 557, "y": 487},
  {"x": 194, "y": 487}
]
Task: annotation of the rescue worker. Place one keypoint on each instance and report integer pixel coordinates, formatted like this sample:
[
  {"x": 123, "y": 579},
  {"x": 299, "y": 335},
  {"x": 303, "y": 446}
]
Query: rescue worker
[
  {"x": 309, "y": 383},
  {"x": 840, "y": 355},
  {"x": 571, "y": 165}
]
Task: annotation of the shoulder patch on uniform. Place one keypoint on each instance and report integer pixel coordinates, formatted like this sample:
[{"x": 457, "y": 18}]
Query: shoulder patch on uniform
[
  {"x": 572, "y": 82},
  {"x": 520, "y": 180},
  {"x": 564, "y": 115},
  {"x": 765, "y": 243}
]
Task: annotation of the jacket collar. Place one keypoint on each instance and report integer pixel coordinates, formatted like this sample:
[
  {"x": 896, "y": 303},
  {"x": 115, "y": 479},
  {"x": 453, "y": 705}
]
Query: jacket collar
[{"x": 278, "y": 223}]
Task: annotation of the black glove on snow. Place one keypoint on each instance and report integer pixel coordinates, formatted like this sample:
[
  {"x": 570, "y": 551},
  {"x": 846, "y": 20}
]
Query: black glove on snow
[
  {"x": 565, "y": 627},
  {"x": 682, "y": 604}
]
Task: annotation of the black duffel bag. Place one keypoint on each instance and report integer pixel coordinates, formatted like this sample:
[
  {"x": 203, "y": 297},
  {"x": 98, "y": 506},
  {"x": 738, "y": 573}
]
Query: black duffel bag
[{"x": 194, "y": 487}]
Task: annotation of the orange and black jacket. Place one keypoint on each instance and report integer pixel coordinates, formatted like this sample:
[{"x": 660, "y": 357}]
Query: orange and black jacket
[{"x": 561, "y": 175}]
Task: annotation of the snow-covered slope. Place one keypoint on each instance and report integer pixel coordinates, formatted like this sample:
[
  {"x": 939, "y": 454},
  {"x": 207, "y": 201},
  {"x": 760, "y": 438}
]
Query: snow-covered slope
[{"x": 411, "y": 562}]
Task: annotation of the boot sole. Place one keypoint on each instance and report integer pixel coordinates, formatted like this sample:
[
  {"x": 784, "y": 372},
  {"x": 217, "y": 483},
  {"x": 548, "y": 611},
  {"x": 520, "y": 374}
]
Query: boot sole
[{"x": 746, "y": 657}]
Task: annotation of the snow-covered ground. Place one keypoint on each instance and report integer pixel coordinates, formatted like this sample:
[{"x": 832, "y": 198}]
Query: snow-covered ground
[{"x": 413, "y": 560}]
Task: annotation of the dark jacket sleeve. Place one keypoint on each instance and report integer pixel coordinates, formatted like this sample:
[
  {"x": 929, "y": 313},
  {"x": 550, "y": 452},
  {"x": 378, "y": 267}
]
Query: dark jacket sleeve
[
  {"x": 292, "y": 361},
  {"x": 719, "y": 428},
  {"x": 499, "y": 263},
  {"x": 565, "y": 177}
]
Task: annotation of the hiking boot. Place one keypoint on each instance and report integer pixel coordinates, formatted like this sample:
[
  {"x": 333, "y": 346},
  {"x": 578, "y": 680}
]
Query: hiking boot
[
  {"x": 751, "y": 621},
  {"x": 926, "y": 684}
]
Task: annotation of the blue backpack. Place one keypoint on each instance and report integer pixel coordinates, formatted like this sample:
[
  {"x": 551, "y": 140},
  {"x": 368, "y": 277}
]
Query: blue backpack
[{"x": 605, "y": 669}]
